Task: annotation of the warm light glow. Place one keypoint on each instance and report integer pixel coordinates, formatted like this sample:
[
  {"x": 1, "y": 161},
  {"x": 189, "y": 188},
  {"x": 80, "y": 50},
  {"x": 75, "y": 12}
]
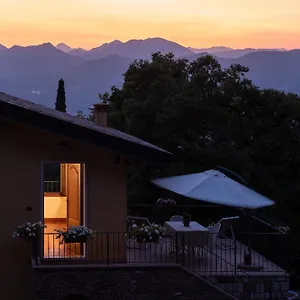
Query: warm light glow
[{"x": 196, "y": 23}]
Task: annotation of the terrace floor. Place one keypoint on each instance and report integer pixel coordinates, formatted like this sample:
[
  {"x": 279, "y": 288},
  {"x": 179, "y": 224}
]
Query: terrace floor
[{"x": 213, "y": 260}]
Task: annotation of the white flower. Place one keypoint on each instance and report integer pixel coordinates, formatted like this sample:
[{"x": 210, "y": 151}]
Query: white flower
[
  {"x": 28, "y": 229},
  {"x": 165, "y": 201},
  {"x": 74, "y": 231}
]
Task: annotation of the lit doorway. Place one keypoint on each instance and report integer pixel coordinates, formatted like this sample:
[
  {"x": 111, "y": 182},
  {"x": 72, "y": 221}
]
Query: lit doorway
[{"x": 64, "y": 203}]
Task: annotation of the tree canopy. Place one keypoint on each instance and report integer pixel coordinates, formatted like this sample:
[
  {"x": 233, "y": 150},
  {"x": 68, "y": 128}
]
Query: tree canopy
[
  {"x": 208, "y": 116},
  {"x": 60, "y": 103}
]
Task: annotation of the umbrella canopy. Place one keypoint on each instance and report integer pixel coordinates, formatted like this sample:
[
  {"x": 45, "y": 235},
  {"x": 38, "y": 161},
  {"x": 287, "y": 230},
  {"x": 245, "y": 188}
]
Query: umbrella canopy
[{"x": 215, "y": 187}]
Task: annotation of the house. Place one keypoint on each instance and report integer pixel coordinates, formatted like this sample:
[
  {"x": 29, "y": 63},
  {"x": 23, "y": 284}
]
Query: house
[
  {"x": 91, "y": 162},
  {"x": 64, "y": 170}
]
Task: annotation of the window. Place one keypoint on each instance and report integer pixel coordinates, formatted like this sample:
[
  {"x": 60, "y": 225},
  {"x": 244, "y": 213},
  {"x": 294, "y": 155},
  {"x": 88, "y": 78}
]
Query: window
[{"x": 52, "y": 178}]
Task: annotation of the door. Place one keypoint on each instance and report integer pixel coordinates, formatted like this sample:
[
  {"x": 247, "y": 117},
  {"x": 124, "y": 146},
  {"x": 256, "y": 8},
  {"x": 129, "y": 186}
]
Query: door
[
  {"x": 74, "y": 204},
  {"x": 73, "y": 195}
]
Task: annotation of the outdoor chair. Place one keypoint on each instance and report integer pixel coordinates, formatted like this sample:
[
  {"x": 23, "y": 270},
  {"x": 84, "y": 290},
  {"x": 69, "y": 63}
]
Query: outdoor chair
[
  {"x": 176, "y": 218},
  {"x": 219, "y": 230}
]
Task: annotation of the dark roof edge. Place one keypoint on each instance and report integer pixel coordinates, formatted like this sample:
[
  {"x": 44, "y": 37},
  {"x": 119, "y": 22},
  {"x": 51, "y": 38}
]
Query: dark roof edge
[{"x": 65, "y": 128}]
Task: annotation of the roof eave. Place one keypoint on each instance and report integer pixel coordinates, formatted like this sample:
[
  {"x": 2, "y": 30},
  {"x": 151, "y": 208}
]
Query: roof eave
[{"x": 58, "y": 126}]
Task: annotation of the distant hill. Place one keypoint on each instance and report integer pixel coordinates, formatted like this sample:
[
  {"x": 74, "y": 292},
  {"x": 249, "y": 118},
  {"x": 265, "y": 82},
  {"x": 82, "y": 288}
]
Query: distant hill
[
  {"x": 226, "y": 52},
  {"x": 29, "y": 63},
  {"x": 67, "y": 49},
  {"x": 236, "y": 53},
  {"x": 33, "y": 72},
  {"x": 63, "y": 47},
  {"x": 137, "y": 49},
  {"x": 211, "y": 50},
  {"x": 77, "y": 52},
  {"x": 272, "y": 69},
  {"x": 2, "y": 47}
]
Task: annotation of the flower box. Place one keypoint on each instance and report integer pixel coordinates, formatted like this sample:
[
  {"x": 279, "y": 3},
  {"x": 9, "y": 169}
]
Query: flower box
[
  {"x": 74, "y": 234},
  {"x": 162, "y": 201},
  {"x": 76, "y": 239},
  {"x": 28, "y": 231},
  {"x": 147, "y": 239},
  {"x": 151, "y": 233}
]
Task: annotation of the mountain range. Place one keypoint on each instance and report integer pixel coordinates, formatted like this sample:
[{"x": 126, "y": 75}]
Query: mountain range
[{"x": 32, "y": 72}]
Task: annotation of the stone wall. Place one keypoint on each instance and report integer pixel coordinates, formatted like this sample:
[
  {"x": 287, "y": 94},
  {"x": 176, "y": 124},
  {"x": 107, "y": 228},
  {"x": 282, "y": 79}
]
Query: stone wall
[
  {"x": 261, "y": 286},
  {"x": 145, "y": 283}
]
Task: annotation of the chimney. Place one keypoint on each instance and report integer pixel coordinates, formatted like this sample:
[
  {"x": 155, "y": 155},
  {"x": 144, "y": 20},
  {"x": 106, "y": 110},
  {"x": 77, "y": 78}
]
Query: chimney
[{"x": 100, "y": 112}]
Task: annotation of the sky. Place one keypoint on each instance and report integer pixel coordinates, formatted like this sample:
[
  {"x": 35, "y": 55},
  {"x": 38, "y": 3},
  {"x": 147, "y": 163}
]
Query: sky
[{"x": 195, "y": 23}]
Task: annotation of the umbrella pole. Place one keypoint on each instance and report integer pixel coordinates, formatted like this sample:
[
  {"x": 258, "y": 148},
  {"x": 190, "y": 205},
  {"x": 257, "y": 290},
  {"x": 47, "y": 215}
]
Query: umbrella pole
[
  {"x": 248, "y": 255},
  {"x": 244, "y": 182}
]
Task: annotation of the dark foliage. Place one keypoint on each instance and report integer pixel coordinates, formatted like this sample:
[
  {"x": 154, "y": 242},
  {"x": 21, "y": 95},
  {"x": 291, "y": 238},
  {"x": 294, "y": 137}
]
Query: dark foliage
[{"x": 207, "y": 115}]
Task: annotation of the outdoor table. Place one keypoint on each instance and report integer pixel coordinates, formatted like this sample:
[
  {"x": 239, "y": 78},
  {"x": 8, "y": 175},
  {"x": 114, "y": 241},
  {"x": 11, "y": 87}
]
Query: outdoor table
[{"x": 191, "y": 237}]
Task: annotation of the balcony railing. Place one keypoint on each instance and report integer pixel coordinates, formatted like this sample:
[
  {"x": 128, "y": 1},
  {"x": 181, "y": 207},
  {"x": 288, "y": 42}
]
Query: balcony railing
[
  {"x": 52, "y": 186},
  {"x": 222, "y": 253},
  {"x": 209, "y": 256},
  {"x": 205, "y": 214}
]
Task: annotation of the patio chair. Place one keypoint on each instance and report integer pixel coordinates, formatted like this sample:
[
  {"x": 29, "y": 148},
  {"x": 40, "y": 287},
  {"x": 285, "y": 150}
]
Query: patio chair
[
  {"x": 219, "y": 230},
  {"x": 176, "y": 218}
]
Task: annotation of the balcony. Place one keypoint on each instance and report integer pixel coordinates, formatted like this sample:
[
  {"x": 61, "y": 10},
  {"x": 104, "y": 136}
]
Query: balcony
[{"x": 220, "y": 263}]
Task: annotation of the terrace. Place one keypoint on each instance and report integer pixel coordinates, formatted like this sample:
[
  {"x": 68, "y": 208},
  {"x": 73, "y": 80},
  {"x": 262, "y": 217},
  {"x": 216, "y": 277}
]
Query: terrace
[{"x": 219, "y": 264}]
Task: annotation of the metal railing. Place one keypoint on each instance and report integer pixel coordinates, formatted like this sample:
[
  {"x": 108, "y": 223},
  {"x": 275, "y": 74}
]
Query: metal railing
[
  {"x": 218, "y": 259},
  {"x": 205, "y": 214},
  {"x": 51, "y": 186},
  {"x": 120, "y": 247}
]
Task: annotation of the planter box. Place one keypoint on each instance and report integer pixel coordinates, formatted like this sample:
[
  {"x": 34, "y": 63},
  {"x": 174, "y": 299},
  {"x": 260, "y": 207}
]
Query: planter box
[
  {"x": 143, "y": 239},
  {"x": 78, "y": 239}
]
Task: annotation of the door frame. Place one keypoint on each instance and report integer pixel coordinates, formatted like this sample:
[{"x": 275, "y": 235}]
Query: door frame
[{"x": 83, "y": 194}]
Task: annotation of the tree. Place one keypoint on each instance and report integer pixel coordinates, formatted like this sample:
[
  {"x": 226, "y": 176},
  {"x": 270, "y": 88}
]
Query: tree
[
  {"x": 209, "y": 116},
  {"x": 60, "y": 103}
]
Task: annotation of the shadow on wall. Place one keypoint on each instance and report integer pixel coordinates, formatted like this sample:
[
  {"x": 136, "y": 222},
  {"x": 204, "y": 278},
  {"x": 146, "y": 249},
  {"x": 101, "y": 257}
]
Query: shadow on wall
[{"x": 75, "y": 297}]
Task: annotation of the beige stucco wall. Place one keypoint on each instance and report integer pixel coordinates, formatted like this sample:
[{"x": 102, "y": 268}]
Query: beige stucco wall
[
  {"x": 55, "y": 207},
  {"x": 22, "y": 151}
]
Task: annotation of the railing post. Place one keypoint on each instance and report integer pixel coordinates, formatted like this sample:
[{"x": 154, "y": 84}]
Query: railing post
[
  {"x": 235, "y": 253},
  {"x": 182, "y": 250},
  {"x": 107, "y": 247},
  {"x": 176, "y": 246}
]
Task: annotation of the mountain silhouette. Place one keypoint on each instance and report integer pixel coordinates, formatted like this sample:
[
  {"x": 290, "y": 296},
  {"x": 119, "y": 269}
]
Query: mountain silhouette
[
  {"x": 2, "y": 47},
  {"x": 30, "y": 63},
  {"x": 225, "y": 52},
  {"x": 33, "y": 72},
  {"x": 211, "y": 50},
  {"x": 137, "y": 49},
  {"x": 63, "y": 47}
]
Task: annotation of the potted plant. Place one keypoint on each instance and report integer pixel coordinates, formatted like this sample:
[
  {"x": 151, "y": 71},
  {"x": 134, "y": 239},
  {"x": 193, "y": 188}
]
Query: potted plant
[
  {"x": 166, "y": 201},
  {"x": 152, "y": 233},
  {"x": 74, "y": 234},
  {"x": 30, "y": 232}
]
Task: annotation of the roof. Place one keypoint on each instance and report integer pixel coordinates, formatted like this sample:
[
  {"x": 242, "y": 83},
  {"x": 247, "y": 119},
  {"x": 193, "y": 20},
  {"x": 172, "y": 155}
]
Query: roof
[{"x": 49, "y": 119}]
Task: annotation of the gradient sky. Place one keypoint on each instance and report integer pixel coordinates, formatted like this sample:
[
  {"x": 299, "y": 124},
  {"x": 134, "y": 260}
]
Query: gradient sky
[{"x": 195, "y": 23}]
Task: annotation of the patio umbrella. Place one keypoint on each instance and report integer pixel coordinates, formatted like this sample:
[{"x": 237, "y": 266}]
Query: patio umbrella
[{"x": 215, "y": 187}]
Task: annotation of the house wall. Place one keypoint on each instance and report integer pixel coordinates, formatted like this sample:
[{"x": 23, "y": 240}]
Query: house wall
[
  {"x": 148, "y": 283},
  {"x": 55, "y": 207},
  {"x": 22, "y": 151}
]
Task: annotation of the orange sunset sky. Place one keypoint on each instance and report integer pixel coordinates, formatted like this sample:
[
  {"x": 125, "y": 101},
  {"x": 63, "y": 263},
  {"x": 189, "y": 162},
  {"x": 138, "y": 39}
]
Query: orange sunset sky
[{"x": 195, "y": 23}]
